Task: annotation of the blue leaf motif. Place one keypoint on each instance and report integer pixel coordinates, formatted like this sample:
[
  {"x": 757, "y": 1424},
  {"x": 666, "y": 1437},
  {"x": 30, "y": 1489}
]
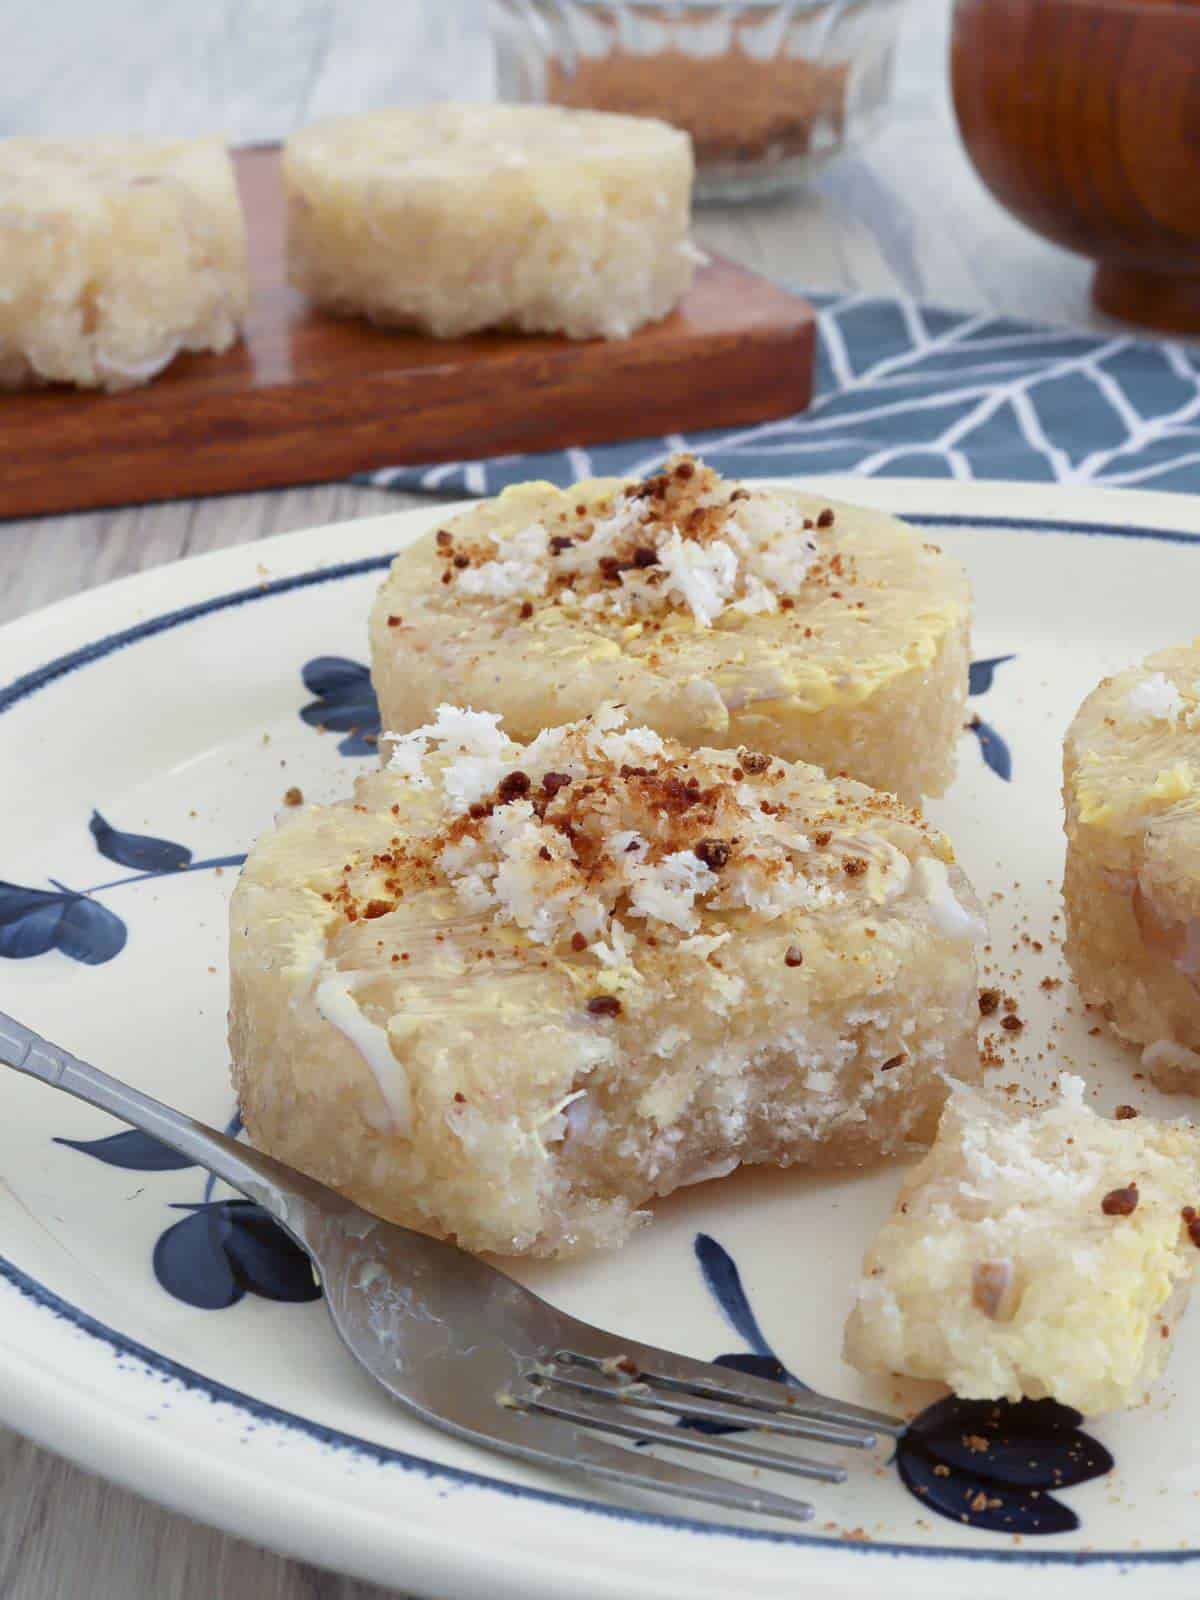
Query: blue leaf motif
[
  {"x": 981, "y": 1502},
  {"x": 993, "y": 747},
  {"x": 265, "y": 1259},
  {"x": 141, "y": 851},
  {"x": 33, "y": 921},
  {"x": 992, "y": 1464},
  {"x": 1034, "y": 1443},
  {"x": 725, "y": 1285},
  {"x": 90, "y": 932},
  {"x": 982, "y": 674},
  {"x": 29, "y": 920},
  {"x": 133, "y": 1150},
  {"x": 224, "y": 1248},
  {"x": 345, "y": 702},
  {"x": 190, "y": 1263}
]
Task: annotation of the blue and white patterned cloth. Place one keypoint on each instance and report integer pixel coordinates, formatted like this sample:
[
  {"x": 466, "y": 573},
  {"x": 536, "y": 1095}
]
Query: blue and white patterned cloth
[{"x": 909, "y": 390}]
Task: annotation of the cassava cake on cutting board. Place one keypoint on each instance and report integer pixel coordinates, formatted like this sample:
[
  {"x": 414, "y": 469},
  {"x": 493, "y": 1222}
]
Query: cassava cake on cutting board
[
  {"x": 116, "y": 254},
  {"x": 454, "y": 218},
  {"x": 511, "y": 991},
  {"x": 718, "y": 614}
]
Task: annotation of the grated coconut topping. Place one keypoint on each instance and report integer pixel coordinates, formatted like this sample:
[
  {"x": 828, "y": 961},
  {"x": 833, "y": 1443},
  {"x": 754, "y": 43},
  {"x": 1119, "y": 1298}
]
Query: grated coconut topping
[
  {"x": 599, "y": 833},
  {"x": 683, "y": 538}
]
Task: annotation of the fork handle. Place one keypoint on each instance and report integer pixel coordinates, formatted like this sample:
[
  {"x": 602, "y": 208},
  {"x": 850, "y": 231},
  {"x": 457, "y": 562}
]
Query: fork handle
[{"x": 286, "y": 1194}]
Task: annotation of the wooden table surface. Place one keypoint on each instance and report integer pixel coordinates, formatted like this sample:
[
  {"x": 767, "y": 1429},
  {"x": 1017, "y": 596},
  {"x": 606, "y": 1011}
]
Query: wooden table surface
[{"x": 906, "y": 213}]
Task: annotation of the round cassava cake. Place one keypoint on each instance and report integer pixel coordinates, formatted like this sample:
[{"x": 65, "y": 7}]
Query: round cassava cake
[
  {"x": 509, "y": 993},
  {"x": 454, "y": 218},
  {"x": 116, "y": 254},
  {"x": 717, "y": 614},
  {"x": 1132, "y": 887}
]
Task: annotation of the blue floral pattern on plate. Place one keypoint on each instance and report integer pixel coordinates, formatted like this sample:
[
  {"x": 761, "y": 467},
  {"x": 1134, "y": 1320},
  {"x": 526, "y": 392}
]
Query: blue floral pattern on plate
[{"x": 36, "y": 921}]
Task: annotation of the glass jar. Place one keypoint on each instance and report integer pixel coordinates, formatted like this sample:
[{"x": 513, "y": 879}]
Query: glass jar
[{"x": 769, "y": 90}]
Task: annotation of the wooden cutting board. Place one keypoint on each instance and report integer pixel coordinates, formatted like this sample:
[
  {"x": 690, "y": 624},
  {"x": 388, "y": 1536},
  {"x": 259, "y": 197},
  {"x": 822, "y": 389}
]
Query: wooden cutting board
[{"x": 307, "y": 397}]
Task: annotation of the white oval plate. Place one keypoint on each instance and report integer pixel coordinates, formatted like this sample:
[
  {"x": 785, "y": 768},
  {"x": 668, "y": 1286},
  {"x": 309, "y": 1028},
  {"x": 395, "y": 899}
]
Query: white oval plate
[{"x": 170, "y": 703}]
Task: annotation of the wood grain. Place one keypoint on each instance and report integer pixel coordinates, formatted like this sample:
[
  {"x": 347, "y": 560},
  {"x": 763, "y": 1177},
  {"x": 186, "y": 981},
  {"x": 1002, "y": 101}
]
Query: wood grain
[
  {"x": 308, "y": 397},
  {"x": 1083, "y": 118}
]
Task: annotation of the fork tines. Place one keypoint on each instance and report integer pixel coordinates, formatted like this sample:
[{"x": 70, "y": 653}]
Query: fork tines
[{"x": 699, "y": 1404}]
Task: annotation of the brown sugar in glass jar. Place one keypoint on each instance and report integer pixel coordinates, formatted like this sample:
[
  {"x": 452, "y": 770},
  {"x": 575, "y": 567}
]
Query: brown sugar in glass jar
[{"x": 769, "y": 90}]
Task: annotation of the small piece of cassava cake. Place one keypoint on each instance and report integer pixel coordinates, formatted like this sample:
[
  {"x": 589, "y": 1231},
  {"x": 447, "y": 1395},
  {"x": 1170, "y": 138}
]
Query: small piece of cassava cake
[
  {"x": 1034, "y": 1252},
  {"x": 115, "y": 255},
  {"x": 1132, "y": 886},
  {"x": 718, "y": 614},
  {"x": 454, "y": 218},
  {"x": 511, "y": 992}
]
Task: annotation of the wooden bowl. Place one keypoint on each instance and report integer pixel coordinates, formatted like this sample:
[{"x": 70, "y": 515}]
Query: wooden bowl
[{"x": 1083, "y": 119}]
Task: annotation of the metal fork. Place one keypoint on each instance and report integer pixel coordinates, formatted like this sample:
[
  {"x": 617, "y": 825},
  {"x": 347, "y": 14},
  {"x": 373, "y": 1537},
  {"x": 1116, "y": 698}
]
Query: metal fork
[{"x": 470, "y": 1351}]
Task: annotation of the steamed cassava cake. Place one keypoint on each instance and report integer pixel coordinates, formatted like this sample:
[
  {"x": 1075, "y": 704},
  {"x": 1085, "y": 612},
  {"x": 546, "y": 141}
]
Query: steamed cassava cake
[
  {"x": 115, "y": 255},
  {"x": 453, "y": 218},
  {"x": 718, "y": 614},
  {"x": 511, "y": 992},
  {"x": 1132, "y": 884},
  {"x": 1034, "y": 1252}
]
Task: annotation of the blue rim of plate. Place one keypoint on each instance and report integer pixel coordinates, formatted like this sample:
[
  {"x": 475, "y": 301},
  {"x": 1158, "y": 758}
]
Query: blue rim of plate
[{"x": 29, "y": 683}]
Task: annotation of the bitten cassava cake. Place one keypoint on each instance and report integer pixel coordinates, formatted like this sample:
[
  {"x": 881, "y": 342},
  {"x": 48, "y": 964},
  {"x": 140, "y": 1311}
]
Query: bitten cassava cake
[
  {"x": 511, "y": 992},
  {"x": 718, "y": 614},
  {"x": 115, "y": 255},
  {"x": 1132, "y": 886},
  {"x": 453, "y": 218},
  {"x": 1033, "y": 1253}
]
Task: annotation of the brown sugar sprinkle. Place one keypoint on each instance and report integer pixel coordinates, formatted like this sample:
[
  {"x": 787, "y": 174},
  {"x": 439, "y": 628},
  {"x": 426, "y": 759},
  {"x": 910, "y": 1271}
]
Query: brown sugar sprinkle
[
  {"x": 294, "y": 797},
  {"x": 1120, "y": 1202},
  {"x": 685, "y": 470},
  {"x": 989, "y": 1055},
  {"x": 894, "y": 1061},
  {"x": 1125, "y": 1113},
  {"x": 1192, "y": 1223},
  {"x": 1050, "y": 984},
  {"x": 459, "y": 1098},
  {"x": 793, "y": 956},
  {"x": 461, "y": 561},
  {"x": 446, "y": 576},
  {"x": 560, "y": 543},
  {"x": 1011, "y": 1023},
  {"x": 513, "y": 786},
  {"x": 822, "y": 839},
  {"x": 394, "y": 622},
  {"x": 713, "y": 852},
  {"x": 604, "y": 1005},
  {"x": 444, "y": 539},
  {"x": 825, "y": 518},
  {"x": 578, "y": 942},
  {"x": 753, "y": 761},
  {"x": 526, "y": 610},
  {"x": 854, "y": 866}
]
